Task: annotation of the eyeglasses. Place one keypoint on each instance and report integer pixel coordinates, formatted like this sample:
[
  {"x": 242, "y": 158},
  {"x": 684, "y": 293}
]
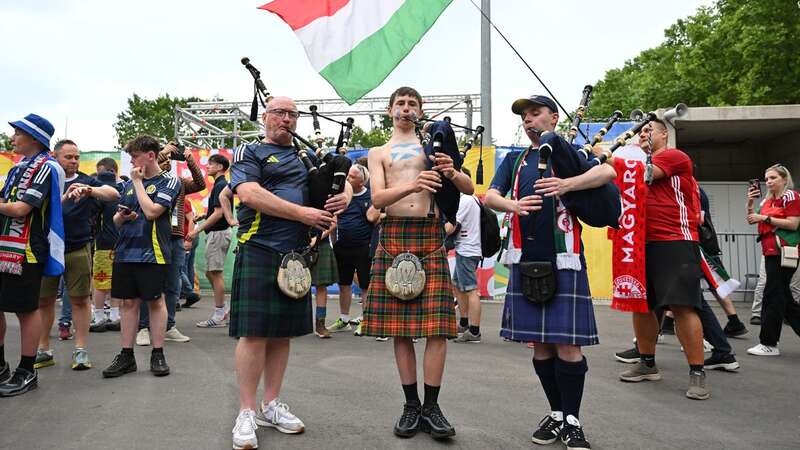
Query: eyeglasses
[{"x": 284, "y": 112}]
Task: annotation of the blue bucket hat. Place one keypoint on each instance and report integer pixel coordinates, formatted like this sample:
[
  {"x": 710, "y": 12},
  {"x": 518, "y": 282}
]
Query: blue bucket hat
[{"x": 37, "y": 126}]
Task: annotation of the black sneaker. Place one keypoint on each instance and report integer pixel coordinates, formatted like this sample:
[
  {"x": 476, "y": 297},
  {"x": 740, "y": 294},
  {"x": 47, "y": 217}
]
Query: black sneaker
[
  {"x": 191, "y": 299},
  {"x": 572, "y": 436},
  {"x": 549, "y": 430},
  {"x": 630, "y": 356},
  {"x": 158, "y": 364},
  {"x": 733, "y": 330},
  {"x": 433, "y": 421},
  {"x": 5, "y": 372},
  {"x": 177, "y": 306},
  {"x": 100, "y": 326},
  {"x": 755, "y": 320},
  {"x": 113, "y": 325},
  {"x": 408, "y": 424},
  {"x": 20, "y": 382},
  {"x": 725, "y": 362},
  {"x": 121, "y": 365}
]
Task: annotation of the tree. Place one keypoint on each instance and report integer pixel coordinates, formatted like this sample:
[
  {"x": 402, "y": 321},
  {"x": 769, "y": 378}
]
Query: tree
[
  {"x": 152, "y": 117},
  {"x": 735, "y": 52},
  {"x": 5, "y": 143},
  {"x": 368, "y": 139}
]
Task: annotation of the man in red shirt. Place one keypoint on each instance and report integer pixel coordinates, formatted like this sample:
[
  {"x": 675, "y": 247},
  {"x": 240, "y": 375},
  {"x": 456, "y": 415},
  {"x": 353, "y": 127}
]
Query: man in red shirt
[{"x": 672, "y": 260}]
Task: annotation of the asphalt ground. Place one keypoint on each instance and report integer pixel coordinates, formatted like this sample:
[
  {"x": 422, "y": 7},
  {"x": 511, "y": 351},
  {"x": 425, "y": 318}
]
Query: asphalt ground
[{"x": 347, "y": 392}]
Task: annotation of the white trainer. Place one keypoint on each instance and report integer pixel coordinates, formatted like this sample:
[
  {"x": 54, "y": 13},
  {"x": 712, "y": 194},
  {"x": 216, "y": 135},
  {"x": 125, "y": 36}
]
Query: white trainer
[
  {"x": 143, "y": 337},
  {"x": 276, "y": 415},
  {"x": 244, "y": 432},
  {"x": 764, "y": 350},
  {"x": 174, "y": 335}
]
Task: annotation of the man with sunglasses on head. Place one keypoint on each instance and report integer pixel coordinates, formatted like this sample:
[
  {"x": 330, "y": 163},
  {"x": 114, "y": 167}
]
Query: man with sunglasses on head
[{"x": 272, "y": 185}]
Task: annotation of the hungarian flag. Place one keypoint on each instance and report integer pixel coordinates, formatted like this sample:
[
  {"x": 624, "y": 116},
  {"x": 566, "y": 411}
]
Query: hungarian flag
[
  {"x": 716, "y": 276},
  {"x": 355, "y": 44}
]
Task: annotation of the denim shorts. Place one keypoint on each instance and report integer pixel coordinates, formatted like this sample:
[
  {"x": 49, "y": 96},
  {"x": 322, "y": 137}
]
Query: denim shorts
[{"x": 465, "y": 277}]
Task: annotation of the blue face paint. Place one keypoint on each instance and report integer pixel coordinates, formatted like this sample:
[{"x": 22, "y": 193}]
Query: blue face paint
[{"x": 402, "y": 152}]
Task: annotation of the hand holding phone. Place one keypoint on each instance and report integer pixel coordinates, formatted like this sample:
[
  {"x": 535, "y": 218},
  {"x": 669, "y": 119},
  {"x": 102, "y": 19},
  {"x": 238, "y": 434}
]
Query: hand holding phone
[{"x": 754, "y": 188}]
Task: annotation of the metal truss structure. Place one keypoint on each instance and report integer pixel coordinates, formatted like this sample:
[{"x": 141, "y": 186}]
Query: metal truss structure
[{"x": 222, "y": 124}]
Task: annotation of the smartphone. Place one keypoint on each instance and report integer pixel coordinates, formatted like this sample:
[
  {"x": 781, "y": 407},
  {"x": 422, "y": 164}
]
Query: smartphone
[
  {"x": 123, "y": 209},
  {"x": 754, "y": 185}
]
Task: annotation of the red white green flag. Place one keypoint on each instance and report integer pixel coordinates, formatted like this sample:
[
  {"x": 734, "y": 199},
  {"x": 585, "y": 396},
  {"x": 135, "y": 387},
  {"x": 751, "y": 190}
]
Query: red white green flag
[{"x": 355, "y": 44}]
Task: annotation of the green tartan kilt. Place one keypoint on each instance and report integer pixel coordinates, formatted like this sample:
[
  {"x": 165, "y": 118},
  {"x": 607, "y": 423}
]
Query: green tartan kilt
[
  {"x": 258, "y": 307},
  {"x": 325, "y": 271}
]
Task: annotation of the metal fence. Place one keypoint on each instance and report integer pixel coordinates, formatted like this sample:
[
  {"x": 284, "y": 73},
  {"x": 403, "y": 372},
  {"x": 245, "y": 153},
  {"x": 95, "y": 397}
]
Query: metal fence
[{"x": 741, "y": 255}]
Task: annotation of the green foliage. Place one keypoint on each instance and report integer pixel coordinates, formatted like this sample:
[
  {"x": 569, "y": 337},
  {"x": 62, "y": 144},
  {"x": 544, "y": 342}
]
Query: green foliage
[
  {"x": 735, "y": 52},
  {"x": 5, "y": 143},
  {"x": 153, "y": 117},
  {"x": 368, "y": 139}
]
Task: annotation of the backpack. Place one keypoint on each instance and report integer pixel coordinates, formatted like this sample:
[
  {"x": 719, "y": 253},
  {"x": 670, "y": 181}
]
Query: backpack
[{"x": 490, "y": 231}]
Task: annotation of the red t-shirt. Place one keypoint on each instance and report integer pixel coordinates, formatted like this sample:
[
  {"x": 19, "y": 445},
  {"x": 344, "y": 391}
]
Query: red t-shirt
[
  {"x": 673, "y": 202},
  {"x": 786, "y": 206},
  {"x": 187, "y": 209}
]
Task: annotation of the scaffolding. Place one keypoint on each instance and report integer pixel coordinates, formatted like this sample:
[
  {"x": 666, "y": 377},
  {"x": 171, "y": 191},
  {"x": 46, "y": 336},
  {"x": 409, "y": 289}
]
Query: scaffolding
[{"x": 221, "y": 124}]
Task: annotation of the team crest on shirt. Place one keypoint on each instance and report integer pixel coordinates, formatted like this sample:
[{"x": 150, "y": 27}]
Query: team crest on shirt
[
  {"x": 564, "y": 221},
  {"x": 151, "y": 189}
]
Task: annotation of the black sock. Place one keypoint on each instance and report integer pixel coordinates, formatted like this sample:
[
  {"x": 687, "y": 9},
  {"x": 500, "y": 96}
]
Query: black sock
[
  {"x": 648, "y": 360},
  {"x": 463, "y": 322},
  {"x": 696, "y": 368},
  {"x": 570, "y": 377},
  {"x": 2, "y": 352},
  {"x": 733, "y": 318},
  {"x": 475, "y": 329},
  {"x": 410, "y": 390},
  {"x": 158, "y": 350},
  {"x": 127, "y": 351},
  {"x": 546, "y": 370},
  {"x": 26, "y": 362},
  {"x": 431, "y": 395}
]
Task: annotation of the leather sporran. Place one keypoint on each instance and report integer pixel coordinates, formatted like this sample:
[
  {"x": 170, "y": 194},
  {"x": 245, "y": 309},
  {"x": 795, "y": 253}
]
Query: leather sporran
[
  {"x": 538, "y": 281},
  {"x": 405, "y": 279},
  {"x": 294, "y": 277}
]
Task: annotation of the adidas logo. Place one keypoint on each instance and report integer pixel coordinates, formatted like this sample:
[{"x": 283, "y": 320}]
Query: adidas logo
[{"x": 272, "y": 159}]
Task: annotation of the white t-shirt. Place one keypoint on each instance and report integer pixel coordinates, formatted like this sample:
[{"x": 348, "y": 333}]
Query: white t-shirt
[{"x": 468, "y": 242}]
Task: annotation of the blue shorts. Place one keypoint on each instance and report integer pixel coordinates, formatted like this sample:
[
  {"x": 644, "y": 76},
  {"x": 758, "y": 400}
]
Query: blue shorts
[{"x": 465, "y": 277}]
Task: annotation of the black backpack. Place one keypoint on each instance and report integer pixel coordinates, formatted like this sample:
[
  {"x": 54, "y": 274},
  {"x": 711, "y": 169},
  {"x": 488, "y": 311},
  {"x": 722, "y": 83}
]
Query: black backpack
[{"x": 490, "y": 231}]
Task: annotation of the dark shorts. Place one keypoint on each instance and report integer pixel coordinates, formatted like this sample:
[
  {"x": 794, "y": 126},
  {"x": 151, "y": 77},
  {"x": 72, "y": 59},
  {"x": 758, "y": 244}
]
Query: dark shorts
[
  {"x": 20, "y": 293},
  {"x": 350, "y": 260},
  {"x": 145, "y": 281},
  {"x": 258, "y": 307},
  {"x": 673, "y": 274}
]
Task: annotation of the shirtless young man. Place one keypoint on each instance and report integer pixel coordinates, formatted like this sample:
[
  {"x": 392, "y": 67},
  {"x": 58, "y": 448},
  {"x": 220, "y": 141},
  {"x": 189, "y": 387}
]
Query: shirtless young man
[{"x": 401, "y": 183}]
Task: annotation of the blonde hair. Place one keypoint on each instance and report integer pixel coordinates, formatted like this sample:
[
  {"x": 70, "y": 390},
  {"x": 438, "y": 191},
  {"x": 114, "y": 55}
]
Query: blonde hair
[{"x": 784, "y": 173}]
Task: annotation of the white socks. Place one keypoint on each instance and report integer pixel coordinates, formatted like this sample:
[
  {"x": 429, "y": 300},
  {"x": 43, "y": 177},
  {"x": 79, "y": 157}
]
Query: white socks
[
  {"x": 99, "y": 315},
  {"x": 219, "y": 313},
  {"x": 114, "y": 315},
  {"x": 345, "y": 317}
]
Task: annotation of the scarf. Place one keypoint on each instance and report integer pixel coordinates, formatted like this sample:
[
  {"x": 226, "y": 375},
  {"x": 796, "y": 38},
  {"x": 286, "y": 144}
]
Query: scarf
[
  {"x": 628, "y": 242},
  {"x": 513, "y": 233},
  {"x": 15, "y": 234}
]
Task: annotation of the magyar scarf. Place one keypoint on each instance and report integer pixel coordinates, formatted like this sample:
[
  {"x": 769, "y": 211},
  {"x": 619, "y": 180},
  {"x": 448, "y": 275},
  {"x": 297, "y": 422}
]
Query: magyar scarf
[{"x": 628, "y": 242}]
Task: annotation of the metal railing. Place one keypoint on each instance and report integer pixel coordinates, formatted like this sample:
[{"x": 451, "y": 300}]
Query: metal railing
[{"x": 741, "y": 255}]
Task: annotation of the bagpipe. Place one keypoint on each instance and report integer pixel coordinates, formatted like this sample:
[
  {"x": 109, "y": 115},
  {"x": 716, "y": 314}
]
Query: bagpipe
[
  {"x": 326, "y": 176},
  {"x": 438, "y": 136}
]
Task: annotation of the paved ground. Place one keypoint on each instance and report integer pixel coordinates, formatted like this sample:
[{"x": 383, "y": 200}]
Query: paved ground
[{"x": 347, "y": 391}]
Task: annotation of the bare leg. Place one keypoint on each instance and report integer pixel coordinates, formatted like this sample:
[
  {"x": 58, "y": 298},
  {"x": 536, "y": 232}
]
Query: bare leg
[
  {"x": 645, "y": 327},
  {"x": 544, "y": 351},
  {"x": 158, "y": 321},
  {"x": 569, "y": 353},
  {"x": 321, "y": 296},
  {"x": 690, "y": 333},
  {"x": 47, "y": 312},
  {"x": 249, "y": 365},
  {"x": 345, "y": 299},
  {"x": 474, "y": 301},
  {"x": 727, "y": 305},
  {"x": 463, "y": 303},
  {"x": 433, "y": 360},
  {"x": 129, "y": 321},
  {"x": 406, "y": 360},
  {"x": 81, "y": 313},
  {"x": 276, "y": 358},
  {"x": 217, "y": 281}
]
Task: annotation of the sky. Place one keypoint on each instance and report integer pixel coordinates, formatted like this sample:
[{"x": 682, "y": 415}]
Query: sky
[{"x": 77, "y": 62}]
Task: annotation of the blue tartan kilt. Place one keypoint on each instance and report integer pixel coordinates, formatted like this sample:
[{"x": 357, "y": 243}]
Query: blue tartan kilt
[{"x": 566, "y": 319}]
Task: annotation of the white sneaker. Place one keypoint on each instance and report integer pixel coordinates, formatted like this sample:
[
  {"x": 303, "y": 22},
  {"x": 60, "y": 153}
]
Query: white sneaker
[
  {"x": 244, "y": 432},
  {"x": 174, "y": 335},
  {"x": 213, "y": 322},
  {"x": 143, "y": 337},
  {"x": 277, "y": 415},
  {"x": 764, "y": 350},
  {"x": 707, "y": 347}
]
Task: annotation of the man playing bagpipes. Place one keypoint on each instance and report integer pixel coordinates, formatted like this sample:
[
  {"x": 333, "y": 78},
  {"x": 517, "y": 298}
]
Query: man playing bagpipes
[
  {"x": 270, "y": 300},
  {"x": 671, "y": 255},
  {"x": 410, "y": 294},
  {"x": 548, "y": 300}
]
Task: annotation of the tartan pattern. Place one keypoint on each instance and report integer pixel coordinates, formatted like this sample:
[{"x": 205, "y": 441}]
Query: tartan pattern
[
  {"x": 258, "y": 307},
  {"x": 567, "y": 319},
  {"x": 430, "y": 314},
  {"x": 325, "y": 272}
]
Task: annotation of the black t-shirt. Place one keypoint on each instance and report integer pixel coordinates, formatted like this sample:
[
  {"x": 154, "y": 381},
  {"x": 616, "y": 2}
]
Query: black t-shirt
[
  {"x": 78, "y": 214},
  {"x": 106, "y": 237},
  {"x": 213, "y": 202}
]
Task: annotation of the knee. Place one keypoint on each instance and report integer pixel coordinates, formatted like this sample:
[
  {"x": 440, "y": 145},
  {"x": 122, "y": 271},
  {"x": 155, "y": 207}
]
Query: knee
[{"x": 570, "y": 353}]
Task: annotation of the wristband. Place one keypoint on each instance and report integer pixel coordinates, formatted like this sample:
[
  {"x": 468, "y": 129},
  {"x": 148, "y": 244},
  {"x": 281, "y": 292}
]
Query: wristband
[{"x": 768, "y": 220}]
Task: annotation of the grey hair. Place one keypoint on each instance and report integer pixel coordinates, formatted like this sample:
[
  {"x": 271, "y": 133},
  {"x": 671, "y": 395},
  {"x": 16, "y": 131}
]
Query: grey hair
[{"x": 364, "y": 173}]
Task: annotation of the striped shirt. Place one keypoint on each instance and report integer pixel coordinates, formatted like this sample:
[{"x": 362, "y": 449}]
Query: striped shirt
[{"x": 673, "y": 202}]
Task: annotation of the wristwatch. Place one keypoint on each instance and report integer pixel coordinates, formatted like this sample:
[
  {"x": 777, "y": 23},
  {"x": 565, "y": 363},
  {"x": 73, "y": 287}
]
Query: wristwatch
[{"x": 768, "y": 220}]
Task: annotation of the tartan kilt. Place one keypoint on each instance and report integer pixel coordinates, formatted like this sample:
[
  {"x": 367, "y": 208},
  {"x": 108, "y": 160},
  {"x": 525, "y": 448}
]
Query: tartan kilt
[
  {"x": 566, "y": 319},
  {"x": 325, "y": 272},
  {"x": 258, "y": 307},
  {"x": 430, "y": 314}
]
